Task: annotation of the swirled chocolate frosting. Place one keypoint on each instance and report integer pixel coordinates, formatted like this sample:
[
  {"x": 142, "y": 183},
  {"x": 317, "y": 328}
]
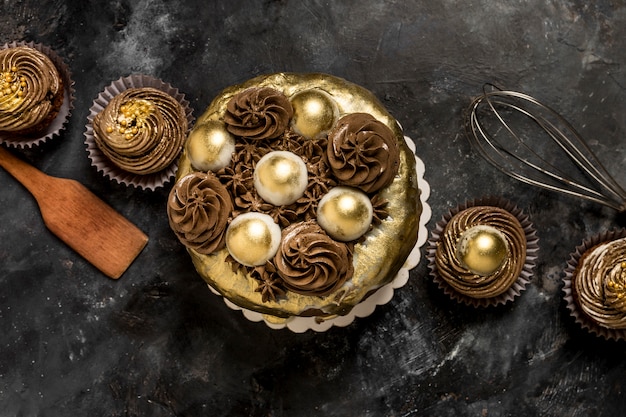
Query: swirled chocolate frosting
[
  {"x": 258, "y": 113},
  {"x": 198, "y": 209},
  {"x": 462, "y": 280},
  {"x": 363, "y": 152},
  {"x": 31, "y": 90},
  {"x": 310, "y": 262},
  {"x": 141, "y": 130},
  {"x": 599, "y": 284}
]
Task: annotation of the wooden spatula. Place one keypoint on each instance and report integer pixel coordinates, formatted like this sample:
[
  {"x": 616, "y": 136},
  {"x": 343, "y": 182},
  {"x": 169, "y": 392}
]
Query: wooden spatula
[{"x": 79, "y": 218}]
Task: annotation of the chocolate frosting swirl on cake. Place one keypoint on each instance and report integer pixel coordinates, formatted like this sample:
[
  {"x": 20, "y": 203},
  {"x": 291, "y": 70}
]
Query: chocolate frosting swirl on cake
[
  {"x": 258, "y": 113},
  {"x": 363, "y": 152},
  {"x": 141, "y": 130},
  {"x": 198, "y": 208},
  {"x": 599, "y": 284},
  {"x": 31, "y": 90},
  {"x": 461, "y": 279},
  {"x": 310, "y": 262}
]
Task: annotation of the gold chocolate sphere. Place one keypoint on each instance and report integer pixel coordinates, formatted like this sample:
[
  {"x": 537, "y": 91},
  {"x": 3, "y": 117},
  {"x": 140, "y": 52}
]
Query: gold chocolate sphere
[
  {"x": 210, "y": 146},
  {"x": 280, "y": 177},
  {"x": 314, "y": 112},
  {"x": 345, "y": 213},
  {"x": 482, "y": 249},
  {"x": 252, "y": 238}
]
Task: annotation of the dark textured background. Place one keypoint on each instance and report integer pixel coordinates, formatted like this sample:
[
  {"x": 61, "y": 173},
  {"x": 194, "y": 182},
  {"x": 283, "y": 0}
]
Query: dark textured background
[{"x": 158, "y": 343}]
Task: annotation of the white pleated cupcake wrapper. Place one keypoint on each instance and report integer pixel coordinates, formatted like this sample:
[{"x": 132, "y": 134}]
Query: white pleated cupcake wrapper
[
  {"x": 532, "y": 250},
  {"x": 107, "y": 168},
  {"x": 579, "y": 317},
  {"x": 60, "y": 121},
  {"x": 382, "y": 296}
]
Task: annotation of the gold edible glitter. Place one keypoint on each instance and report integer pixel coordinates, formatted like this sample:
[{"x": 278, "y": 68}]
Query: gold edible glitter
[{"x": 132, "y": 117}]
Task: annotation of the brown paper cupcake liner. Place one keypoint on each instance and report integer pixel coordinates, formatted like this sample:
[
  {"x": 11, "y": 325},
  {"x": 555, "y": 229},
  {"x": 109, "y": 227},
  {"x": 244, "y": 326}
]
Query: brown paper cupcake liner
[
  {"x": 57, "y": 125},
  {"x": 582, "y": 319},
  {"x": 524, "y": 278},
  {"x": 104, "y": 165}
]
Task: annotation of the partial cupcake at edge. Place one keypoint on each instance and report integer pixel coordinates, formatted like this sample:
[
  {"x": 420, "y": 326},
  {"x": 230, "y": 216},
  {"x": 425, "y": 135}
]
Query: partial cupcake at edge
[
  {"x": 296, "y": 195},
  {"x": 36, "y": 94},
  {"x": 136, "y": 129},
  {"x": 482, "y": 253},
  {"x": 594, "y": 284}
]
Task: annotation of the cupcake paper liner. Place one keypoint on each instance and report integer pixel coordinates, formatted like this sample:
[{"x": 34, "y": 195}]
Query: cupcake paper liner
[
  {"x": 532, "y": 249},
  {"x": 53, "y": 130},
  {"x": 105, "y": 166},
  {"x": 582, "y": 319},
  {"x": 380, "y": 297}
]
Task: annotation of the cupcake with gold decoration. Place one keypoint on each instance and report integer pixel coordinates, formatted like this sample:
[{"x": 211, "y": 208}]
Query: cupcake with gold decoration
[
  {"x": 482, "y": 253},
  {"x": 595, "y": 284},
  {"x": 36, "y": 94},
  {"x": 136, "y": 129}
]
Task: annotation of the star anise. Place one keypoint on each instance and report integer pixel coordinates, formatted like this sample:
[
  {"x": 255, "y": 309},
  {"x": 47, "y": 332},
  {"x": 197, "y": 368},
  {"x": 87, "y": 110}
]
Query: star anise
[
  {"x": 237, "y": 179},
  {"x": 380, "y": 209},
  {"x": 250, "y": 201},
  {"x": 236, "y": 266},
  {"x": 270, "y": 283}
]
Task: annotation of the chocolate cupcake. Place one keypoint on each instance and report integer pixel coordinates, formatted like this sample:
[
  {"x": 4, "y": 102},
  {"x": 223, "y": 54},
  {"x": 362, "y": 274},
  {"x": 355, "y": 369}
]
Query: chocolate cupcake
[
  {"x": 136, "y": 130},
  {"x": 36, "y": 94},
  {"x": 595, "y": 284},
  {"x": 482, "y": 253}
]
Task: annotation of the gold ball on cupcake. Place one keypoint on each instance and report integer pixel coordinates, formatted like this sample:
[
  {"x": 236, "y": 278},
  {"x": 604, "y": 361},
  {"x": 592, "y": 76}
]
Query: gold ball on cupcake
[
  {"x": 482, "y": 249},
  {"x": 252, "y": 238},
  {"x": 314, "y": 112},
  {"x": 210, "y": 146},
  {"x": 345, "y": 213},
  {"x": 280, "y": 177}
]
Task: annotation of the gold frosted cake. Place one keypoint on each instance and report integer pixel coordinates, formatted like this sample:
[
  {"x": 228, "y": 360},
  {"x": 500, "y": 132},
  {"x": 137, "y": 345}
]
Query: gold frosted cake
[{"x": 296, "y": 195}]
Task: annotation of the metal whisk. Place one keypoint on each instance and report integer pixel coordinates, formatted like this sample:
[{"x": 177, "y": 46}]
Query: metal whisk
[{"x": 497, "y": 127}]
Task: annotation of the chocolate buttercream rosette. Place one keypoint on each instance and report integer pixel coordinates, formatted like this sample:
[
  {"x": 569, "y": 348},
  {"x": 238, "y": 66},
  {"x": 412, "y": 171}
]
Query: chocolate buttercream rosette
[
  {"x": 142, "y": 165},
  {"x": 482, "y": 253},
  {"x": 63, "y": 110},
  {"x": 598, "y": 305}
]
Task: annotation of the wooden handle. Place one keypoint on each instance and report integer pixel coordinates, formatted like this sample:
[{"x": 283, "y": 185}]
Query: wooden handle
[{"x": 29, "y": 176}]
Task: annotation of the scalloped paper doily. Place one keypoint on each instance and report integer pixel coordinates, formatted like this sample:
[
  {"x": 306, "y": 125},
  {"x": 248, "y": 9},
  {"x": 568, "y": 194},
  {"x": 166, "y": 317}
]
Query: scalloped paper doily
[{"x": 382, "y": 296}]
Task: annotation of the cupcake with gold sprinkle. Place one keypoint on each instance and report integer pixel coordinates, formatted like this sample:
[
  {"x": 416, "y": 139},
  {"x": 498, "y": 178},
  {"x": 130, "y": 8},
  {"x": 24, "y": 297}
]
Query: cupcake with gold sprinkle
[
  {"x": 136, "y": 129},
  {"x": 595, "y": 284},
  {"x": 36, "y": 94},
  {"x": 482, "y": 253}
]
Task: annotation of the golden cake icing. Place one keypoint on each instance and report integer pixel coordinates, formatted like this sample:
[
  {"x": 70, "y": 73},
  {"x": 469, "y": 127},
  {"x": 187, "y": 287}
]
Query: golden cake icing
[
  {"x": 349, "y": 144},
  {"x": 31, "y": 90},
  {"x": 141, "y": 130}
]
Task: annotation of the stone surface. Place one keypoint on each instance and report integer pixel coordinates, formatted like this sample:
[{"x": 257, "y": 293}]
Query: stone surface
[{"x": 158, "y": 342}]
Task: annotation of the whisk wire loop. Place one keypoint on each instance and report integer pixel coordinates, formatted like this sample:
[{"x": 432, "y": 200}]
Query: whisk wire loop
[{"x": 493, "y": 136}]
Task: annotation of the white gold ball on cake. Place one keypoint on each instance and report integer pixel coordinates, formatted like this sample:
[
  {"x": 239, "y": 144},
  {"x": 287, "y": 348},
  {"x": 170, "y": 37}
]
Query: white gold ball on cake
[
  {"x": 280, "y": 177},
  {"x": 482, "y": 249},
  {"x": 345, "y": 213},
  {"x": 314, "y": 112},
  {"x": 252, "y": 238},
  {"x": 210, "y": 146}
]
